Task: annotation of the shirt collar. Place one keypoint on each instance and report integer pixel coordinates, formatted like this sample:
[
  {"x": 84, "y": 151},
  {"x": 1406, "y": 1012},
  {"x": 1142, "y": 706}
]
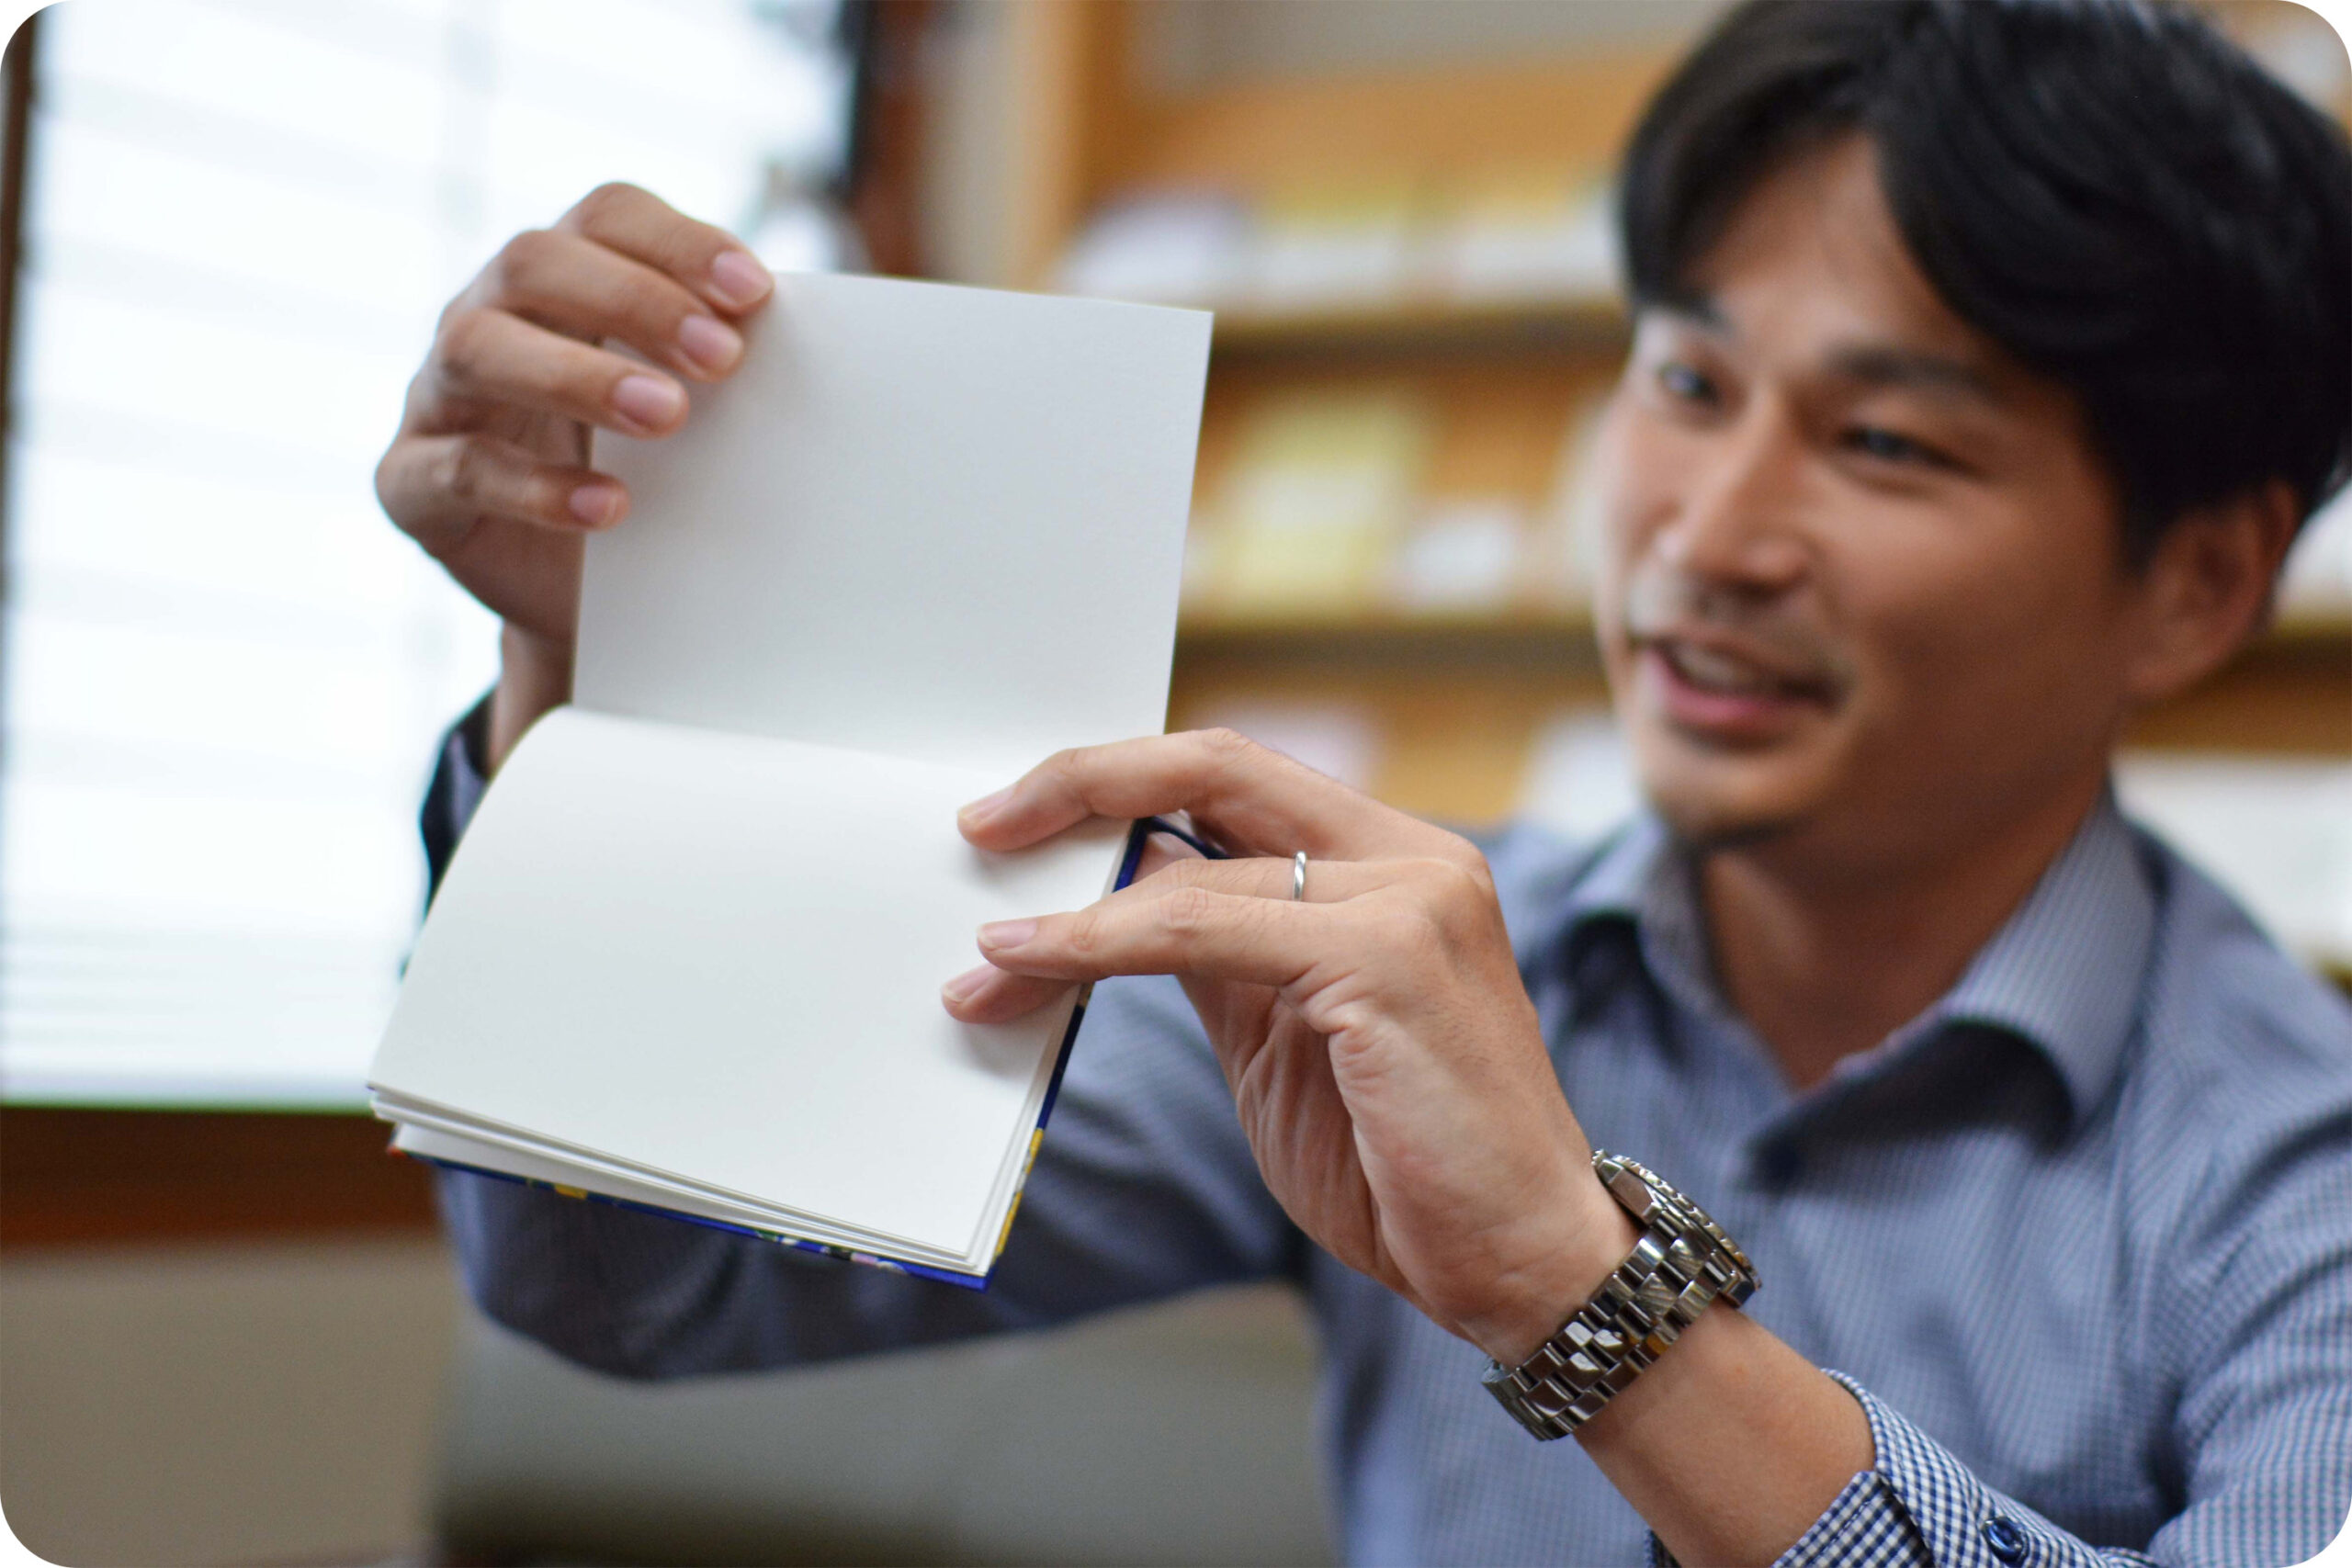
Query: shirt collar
[
  {"x": 2065, "y": 973},
  {"x": 1556, "y": 911},
  {"x": 2067, "y": 970}
]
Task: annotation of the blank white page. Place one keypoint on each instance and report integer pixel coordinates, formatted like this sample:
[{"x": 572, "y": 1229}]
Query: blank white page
[
  {"x": 719, "y": 956},
  {"x": 937, "y": 522}
]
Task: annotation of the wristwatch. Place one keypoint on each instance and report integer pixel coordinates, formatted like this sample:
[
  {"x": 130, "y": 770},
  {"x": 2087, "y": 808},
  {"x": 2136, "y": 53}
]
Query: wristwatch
[{"x": 1683, "y": 1264}]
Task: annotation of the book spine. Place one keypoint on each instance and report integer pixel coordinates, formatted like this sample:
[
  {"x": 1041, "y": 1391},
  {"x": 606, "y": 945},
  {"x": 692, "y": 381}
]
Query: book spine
[
  {"x": 1128, "y": 862},
  {"x": 782, "y": 1238}
]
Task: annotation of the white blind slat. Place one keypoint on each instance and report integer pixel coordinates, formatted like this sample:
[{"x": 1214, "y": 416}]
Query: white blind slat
[{"x": 225, "y": 671}]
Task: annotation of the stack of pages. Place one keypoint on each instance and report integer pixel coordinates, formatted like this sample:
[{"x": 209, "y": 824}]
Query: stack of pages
[{"x": 688, "y": 955}]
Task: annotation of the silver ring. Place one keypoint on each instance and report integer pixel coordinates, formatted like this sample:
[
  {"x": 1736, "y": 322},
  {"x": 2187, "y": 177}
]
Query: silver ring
[{"x": 1298, "y": 877}]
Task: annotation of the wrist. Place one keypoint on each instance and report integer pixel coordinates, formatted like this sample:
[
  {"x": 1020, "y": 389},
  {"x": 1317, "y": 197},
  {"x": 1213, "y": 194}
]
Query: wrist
[
  {"x": 1594, "y": 1234},
  {"x": 534, "y": 675}
]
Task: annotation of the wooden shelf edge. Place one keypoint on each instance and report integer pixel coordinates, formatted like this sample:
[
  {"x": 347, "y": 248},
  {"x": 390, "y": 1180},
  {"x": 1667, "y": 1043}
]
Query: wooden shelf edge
[
  {"x": 89, "y": 1177},
  {"x": 2316, "y": 632},
  {"x": 1590, "y": 326}
]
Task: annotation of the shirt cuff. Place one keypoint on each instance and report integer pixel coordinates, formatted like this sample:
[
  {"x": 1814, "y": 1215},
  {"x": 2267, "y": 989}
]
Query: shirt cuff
[
  {"x": 1919, "y": 1507},
  {"x": 1866, "y": 1526},
  {"x": 459, "y": 780},
  {"x": 469, "y": 760}
]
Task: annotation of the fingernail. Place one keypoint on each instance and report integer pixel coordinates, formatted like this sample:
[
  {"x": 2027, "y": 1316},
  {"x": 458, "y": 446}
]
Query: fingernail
[
  {"x": 739, "y": 280},
  {"x": 595, "y": 505},
  {"x": 1007, "y": 933},
  {"x": 986, "y": 805},
  {"x": 965, "y": 987},
  {"x": 649, "y": 402},
  {"x": 709, "y": 343}
]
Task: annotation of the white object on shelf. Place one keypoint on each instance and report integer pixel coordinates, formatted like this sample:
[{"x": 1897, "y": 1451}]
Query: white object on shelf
[
  {"x": 1571, "y": 534},
  {"x": 2276, "y": 832},
  {"x": 1461, "y": 555},
  {"x": 1580, "y": 779},
  {"x": 1320, "y": 251},
  {"x": 1313, "y": 500},
  {"x": 2318, "y": 579},
  {"x": 1541, "y": 239},
  {"x": 1189, "y": 249}
]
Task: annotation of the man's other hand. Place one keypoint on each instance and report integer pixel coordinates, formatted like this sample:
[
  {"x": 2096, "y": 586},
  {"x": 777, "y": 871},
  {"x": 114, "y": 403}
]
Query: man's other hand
[{"x": 1382, "y": 1050}]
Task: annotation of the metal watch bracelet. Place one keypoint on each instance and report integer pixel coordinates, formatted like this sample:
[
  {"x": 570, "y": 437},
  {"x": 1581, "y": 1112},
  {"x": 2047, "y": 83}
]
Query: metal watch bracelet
[{"x": 1683, "y": 1265}]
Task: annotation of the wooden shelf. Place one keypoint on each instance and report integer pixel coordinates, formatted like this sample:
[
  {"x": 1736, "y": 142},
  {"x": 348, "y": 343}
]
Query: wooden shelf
[
  {"x": 76, "y": 1177},
  {"x": 1465, "y": 645},
  {"x": 1578, "y": 326},
  {"x": 2316, "y": 626},
  {"x": 2314, "y": 636},
  {"x": 1506, "y": 389}
]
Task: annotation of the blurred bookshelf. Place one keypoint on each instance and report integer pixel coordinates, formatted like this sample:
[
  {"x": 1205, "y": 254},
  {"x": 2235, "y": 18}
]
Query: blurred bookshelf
[{"x": 1408, "y": 247}]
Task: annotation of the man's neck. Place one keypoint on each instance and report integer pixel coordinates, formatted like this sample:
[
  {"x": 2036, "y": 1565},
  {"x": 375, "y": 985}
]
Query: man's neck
[{"x": 1822, "y": 966}]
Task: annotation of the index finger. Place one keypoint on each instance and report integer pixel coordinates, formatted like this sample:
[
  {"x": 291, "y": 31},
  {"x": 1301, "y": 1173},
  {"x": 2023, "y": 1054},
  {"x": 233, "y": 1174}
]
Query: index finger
[
  {"x": 1251, "y": 799},
  {"x": 640, "y": 225}
]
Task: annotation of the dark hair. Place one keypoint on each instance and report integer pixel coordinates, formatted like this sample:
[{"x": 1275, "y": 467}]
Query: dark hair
[{"x": 2113, "y": 192}]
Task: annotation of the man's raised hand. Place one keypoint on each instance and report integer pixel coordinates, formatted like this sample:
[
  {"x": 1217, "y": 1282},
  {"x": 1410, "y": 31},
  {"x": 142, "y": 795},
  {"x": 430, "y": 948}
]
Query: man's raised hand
[{"x": 489, "y": 468}]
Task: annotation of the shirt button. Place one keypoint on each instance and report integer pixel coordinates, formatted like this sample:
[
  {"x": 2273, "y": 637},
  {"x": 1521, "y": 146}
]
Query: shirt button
[{"x": 2007, "y": 1542}]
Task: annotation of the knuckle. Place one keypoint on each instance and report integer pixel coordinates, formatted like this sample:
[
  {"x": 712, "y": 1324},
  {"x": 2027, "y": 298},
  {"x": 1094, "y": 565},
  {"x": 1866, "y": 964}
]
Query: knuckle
[
  {"x": 387, "y": 480},
  {"x": 1228, "y": 754},
  {"x": 519, "y": 262},
  {"x": 1401, "y": 929},
  {"x": 1459, "y": 880},
  {"x": 1188, "y": 909},
  {"x": 466, "y": 469},
  {"x": 646, "y": 300},
  {"x": 459, "y": 348},
  {"x": 1224, "y": 744},
  {"x": 1081, "y": 935},
  {"x": 604, "y": 203},
  {"x": 1470, "y": 859}
]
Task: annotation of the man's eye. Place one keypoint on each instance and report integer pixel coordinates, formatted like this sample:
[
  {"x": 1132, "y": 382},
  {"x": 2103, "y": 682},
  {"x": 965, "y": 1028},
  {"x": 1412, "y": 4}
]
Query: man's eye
[
  {"x": 1886, "y": 445},
  {"x": 1684, "y": 384}
]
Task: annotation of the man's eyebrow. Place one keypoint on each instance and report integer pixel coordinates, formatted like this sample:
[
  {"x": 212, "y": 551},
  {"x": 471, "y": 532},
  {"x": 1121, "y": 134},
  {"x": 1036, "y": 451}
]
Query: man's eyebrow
[
  {"x": 1696, "y": 310},
  {"x": 1873, "y": 363},
  {"x": 1882, "y": 365}
]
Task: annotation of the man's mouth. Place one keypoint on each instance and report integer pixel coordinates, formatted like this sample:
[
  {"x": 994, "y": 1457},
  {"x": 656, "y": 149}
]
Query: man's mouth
[
  {"x": 1718, "y": 671},
  {"x": 1714, "y": 689}
]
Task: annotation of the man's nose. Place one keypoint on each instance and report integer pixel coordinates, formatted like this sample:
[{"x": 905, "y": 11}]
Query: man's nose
[{"x": 1736, "y": 522}]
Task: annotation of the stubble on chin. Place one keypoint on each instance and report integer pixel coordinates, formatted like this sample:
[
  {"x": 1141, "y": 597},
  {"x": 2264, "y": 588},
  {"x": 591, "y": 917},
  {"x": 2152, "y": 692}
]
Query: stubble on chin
[{"x": 1703, "y": 816}]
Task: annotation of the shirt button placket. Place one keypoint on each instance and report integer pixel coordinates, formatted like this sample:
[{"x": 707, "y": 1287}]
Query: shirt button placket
[{"x": 2007, "y": 1542}]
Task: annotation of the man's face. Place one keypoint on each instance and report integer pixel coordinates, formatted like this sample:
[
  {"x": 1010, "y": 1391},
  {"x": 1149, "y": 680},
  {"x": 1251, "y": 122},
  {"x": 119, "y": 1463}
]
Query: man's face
[{"x": 1861, "y": 594}]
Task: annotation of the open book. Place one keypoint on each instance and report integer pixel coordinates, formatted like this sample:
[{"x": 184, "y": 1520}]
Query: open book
[{"x": 688, "y": 955}]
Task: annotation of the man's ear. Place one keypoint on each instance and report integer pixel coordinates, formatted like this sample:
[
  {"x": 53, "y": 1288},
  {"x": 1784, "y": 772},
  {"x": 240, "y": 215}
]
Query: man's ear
[{"x": 2207, "y": 589}]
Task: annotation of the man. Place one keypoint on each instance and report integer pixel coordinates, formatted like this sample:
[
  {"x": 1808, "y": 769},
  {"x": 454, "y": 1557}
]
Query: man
[{"x": 1987, "y": 359}]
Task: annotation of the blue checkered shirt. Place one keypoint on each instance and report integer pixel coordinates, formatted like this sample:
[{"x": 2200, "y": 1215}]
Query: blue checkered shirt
[{"x": 2079, "y": 1238}]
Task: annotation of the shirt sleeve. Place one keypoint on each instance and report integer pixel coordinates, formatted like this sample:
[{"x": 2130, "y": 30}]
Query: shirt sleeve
[
  {"x": 1145, "y": 1188},
  {"x": 1921, "y": 1507},
  {"x": 2253, "y": 1335}
]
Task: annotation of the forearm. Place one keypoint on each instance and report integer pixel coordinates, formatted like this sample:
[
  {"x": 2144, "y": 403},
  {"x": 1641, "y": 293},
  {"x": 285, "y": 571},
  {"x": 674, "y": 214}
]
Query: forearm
[
  {"x": 642, "y": 1296},
  {"x": 1732, "y": 1444},
  {"x": 535, "y": 674}
]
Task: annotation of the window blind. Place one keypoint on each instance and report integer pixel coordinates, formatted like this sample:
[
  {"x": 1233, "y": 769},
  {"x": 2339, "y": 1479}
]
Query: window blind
[{"x": 224, "y": 671}]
